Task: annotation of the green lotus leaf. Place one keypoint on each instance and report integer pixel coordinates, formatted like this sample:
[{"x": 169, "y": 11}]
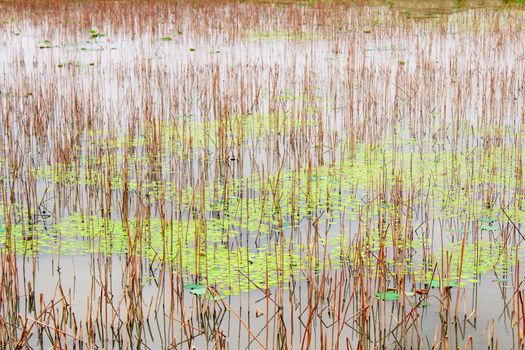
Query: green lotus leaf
[
  {"x": 389, "y": 295},
  {"x": 196, "y": 289}
]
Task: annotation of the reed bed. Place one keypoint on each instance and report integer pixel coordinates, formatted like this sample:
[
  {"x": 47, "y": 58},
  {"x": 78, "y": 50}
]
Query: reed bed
[{"x": 262, "y": 174}]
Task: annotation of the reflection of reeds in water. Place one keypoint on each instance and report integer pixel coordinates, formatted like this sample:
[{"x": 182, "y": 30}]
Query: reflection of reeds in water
[{"x": 232, "y": 175}]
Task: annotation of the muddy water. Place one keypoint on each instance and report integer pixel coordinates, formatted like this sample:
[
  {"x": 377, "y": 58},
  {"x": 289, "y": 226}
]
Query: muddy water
[{"x": 78, "y": 276}]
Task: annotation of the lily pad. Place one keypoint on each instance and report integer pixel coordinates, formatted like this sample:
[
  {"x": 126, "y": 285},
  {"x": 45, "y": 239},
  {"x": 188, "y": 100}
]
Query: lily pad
[
  {"x": 446, "y": 284},
  {"x": 95, "y": 34},
  {"x": 196, "y": 289},
  {"x": 422, "y": 304},
  {"x": 389, "y": 295},
  {"x": 214, "y": 297},
  {"x": 488, "y": 220},
  {"x": 501, "y": 280}
]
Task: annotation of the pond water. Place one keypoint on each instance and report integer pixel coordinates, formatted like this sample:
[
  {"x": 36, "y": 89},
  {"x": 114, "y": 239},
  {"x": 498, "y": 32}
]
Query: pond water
[{"x": 262, "y": 175}]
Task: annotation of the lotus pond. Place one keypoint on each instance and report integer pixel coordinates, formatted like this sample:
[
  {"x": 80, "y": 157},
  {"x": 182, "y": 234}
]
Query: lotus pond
[{"x": 262, "y": 174}]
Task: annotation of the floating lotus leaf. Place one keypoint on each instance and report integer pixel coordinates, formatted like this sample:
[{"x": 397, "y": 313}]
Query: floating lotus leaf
[
  {"x": 435, "y": 283},
  {"x": 196, "y": 289},
  {"x": 389, "y": 295}
]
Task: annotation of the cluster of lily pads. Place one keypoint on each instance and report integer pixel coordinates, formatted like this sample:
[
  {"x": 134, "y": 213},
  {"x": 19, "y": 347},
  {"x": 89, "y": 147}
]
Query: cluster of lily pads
[{"x": 250, "y": 210}]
